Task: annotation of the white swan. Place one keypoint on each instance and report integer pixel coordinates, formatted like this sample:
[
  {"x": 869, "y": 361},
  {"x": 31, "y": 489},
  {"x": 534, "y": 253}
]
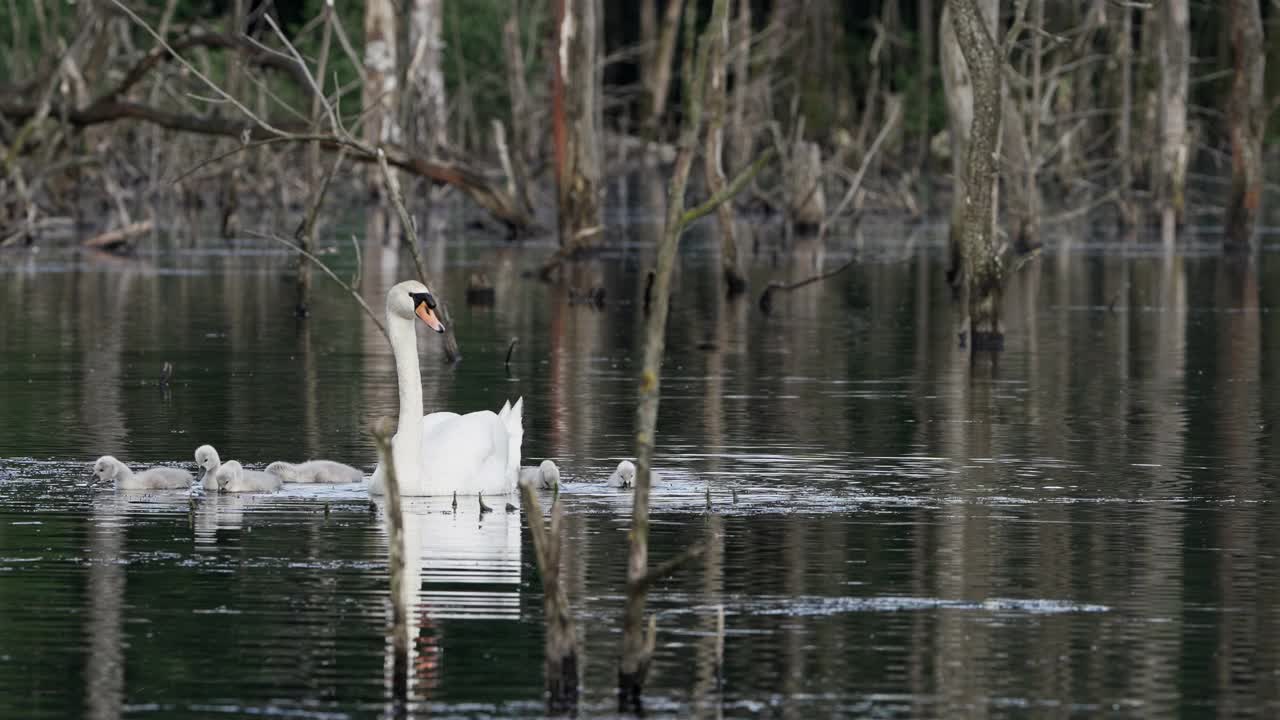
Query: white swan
[
  {"x": 107, "y": 469},
  {"x": 316, "y": 471},
  {"x": 233, "y": 478},
  {"x": 443, "y": 453},
  {"x": 624, "y": 476},
  {"x": 546, "y": 476},
  {"x": 208, "y": 461}
]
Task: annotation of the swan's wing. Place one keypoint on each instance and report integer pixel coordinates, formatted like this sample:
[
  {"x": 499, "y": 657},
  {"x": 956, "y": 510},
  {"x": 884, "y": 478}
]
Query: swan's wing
[
  {"x": 164, "y": 478},
  {"x": 467, "y": 453},
  {"x": 430, "y": 422},
  {"x": 531, "y": 475}
]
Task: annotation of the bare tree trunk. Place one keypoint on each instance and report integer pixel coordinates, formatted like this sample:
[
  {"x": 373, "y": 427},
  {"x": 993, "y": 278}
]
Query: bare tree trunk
[
  {"x": 429, "y": 115},
  {"x": 741, "y": 139},
  {"x": 382, "y": 432},
  {"x": 379, "y": 96},
  {"x": 1030, "y": 234},
  {"x": 519, "y": 91},
  {"x": 660, "y": 45},
  {"x": 1246, "y": 118},
  {"x": 924, "y": 11},
  {"x": 560, "y": 664},
  {"x": 637, "y": 646},
  {"x": 713, "y": 154},
  {"x": 808, "y": 199},
  {"x": 576, "y": 111},
  {"x": 1021, "y": 188},
  {"x": 958, "y": 88},
  {"x": 1124, "y": 133},
  {"x": 983, "y": 264},
  {"x": 230, "y": 200},
  {"x": 315, "y": 172},
  {"x": 1174, "y": 58}
]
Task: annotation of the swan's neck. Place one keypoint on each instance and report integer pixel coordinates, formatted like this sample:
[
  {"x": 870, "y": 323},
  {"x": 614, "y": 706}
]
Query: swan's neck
[
  {"x": 123, "y": 473},
  {"x": 406, "y": 449}
]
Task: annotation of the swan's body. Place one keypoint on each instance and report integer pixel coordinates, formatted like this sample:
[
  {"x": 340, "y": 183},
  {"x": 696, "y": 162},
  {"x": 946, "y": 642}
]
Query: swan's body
[
  {"x": 316, "y": 471},
  {"x": 546, "y": 476},
  {"x": 443, "y": 453},
  {"x": 625, "y": 476},
  {"x": 108, "y": 469},
  {"x": 231, "y": 477}
]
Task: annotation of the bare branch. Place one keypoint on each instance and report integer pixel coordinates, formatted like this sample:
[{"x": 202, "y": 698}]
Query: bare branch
[{"x": 733, "y": 188}]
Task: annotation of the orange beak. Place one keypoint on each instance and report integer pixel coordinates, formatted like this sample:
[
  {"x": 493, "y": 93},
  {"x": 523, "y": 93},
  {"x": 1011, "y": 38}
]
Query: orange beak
[{"x": 429, "y": 318}]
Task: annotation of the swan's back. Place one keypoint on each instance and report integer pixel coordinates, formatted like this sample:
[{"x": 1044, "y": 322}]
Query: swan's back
[
  {"x": 161, "y": 478},
  {"x": 232, "y": 477},
  {"x": 316, "y": 471},
  {"x": 468, "y": 454}
]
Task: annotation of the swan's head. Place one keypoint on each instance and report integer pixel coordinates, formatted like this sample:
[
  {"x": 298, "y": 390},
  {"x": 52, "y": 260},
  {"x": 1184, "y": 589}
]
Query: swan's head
[
  {"x": 550, "y": 474},
  {"x": 411, "y": 299},
  {"x": 627, "y": 471},
  {"x": 206, "y": 460},
  {"x": 106, "y": 468},
  {"x": 229, "y": 471}
]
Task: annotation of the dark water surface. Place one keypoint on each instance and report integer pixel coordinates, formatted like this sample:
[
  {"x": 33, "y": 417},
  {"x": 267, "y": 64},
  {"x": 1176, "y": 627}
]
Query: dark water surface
[{"x": 1086, "y": 529}]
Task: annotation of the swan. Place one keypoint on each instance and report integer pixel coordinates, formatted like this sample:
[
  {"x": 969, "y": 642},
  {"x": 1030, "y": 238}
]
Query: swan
[
  {"x": 546, "y": 476},
  {"x": 107, "y": 468},
  {"x": 233, "y": 478},
  {"x": 625, "y": 476},
  {"x": 208, "y": 461},
  {"x": 316, "y": 471},
  {"x": 443, "y": 453}
]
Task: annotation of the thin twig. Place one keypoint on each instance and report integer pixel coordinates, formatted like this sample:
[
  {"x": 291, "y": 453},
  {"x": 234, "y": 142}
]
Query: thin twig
[{"x": 194, "y": 71}]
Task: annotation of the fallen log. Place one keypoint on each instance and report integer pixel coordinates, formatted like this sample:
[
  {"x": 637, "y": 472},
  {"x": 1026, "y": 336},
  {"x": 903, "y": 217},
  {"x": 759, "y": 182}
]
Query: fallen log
[{"x": 120, "y": 239}]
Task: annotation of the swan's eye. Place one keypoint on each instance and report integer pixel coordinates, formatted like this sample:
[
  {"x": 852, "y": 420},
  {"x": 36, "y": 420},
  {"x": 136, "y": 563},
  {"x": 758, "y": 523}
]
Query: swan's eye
[{"x": 423, "y": 298}]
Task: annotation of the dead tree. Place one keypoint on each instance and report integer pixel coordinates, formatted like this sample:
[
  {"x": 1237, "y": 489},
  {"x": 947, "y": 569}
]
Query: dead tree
[
  {"x": 380, "y": 87},
  {"x": 1170, "y": 171},
  {"x": 981, "y": 256},
  {"x": 1246, "y": 118},
  {"x": 519, "y": 149},
  {"x": 741, "y": 139},
  {"x": 1124, "y": 130},
  {"x": 958, "y": 91},
  {"x": 382, "y": 432},
  {"x": 636, "y": 646},
  {"x": 254, "y": 129},
  {"x": 659, "y": 41},
  {"x": 427, "y": 116},
  {"x": 561, "y": 647},
  {"x": 576, "y": 121},
  {"x": 713, "y": 155}
]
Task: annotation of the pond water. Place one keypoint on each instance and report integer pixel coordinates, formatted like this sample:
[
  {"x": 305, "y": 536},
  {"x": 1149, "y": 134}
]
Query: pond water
[{"x": 1085, "y": 528}]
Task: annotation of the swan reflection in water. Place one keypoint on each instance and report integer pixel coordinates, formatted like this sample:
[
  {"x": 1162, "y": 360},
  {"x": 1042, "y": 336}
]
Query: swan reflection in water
[{"x": 459, "y": 566}]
